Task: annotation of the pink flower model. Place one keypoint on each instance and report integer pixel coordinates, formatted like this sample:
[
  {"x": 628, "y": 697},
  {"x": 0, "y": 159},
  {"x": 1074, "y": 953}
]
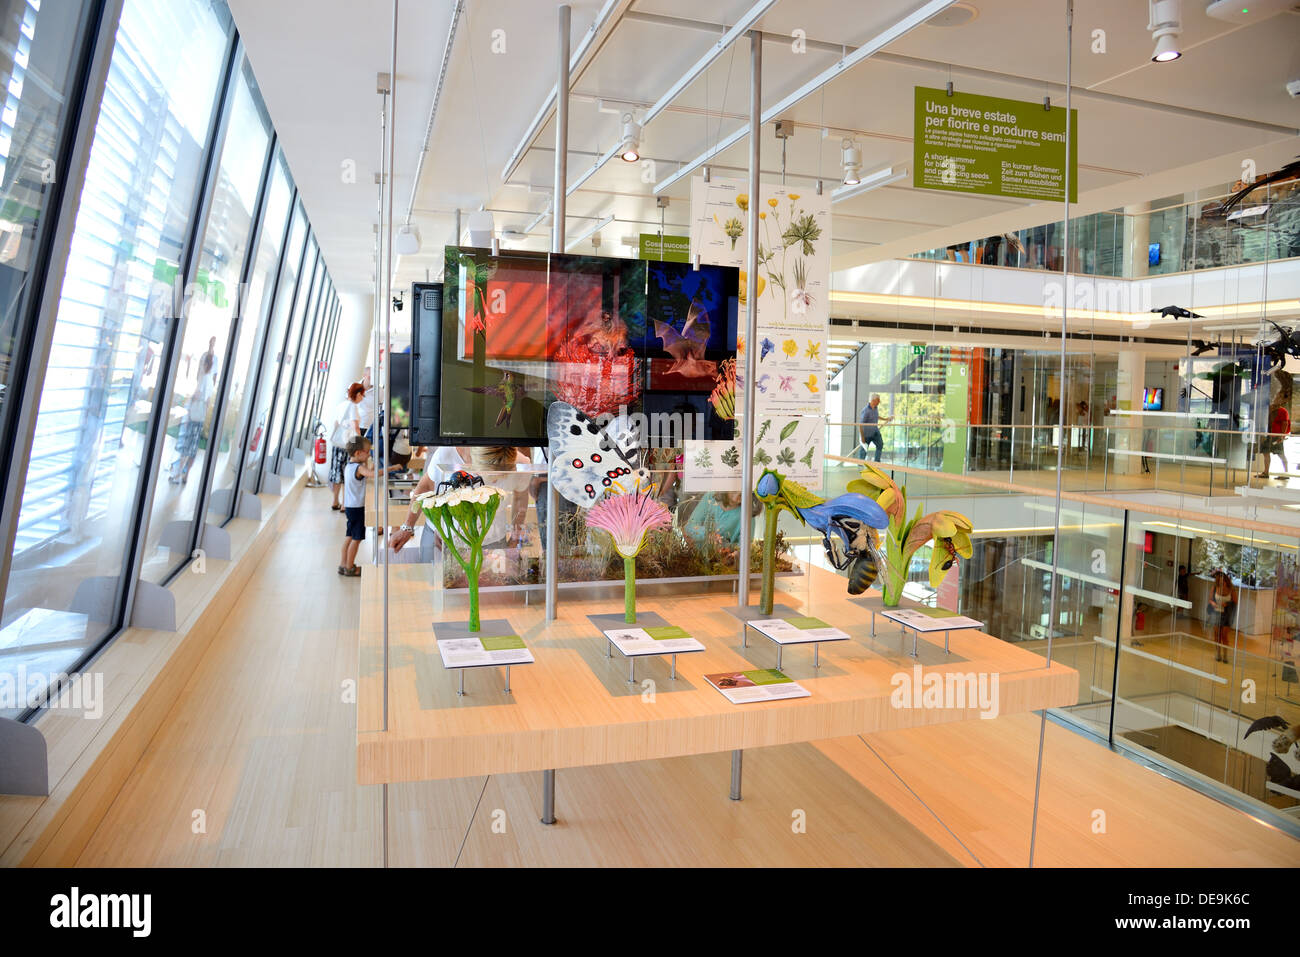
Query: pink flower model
[{"x": 627, "y": 519}]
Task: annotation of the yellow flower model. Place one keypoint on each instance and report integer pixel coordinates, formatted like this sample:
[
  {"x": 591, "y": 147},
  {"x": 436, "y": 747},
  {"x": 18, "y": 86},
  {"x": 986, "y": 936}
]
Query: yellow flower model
[{"x": 950, "y": 532}]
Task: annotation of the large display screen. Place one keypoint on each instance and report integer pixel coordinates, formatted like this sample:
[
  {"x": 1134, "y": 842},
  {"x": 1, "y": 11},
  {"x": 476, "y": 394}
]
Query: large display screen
[{"x": 609, "y": 336}]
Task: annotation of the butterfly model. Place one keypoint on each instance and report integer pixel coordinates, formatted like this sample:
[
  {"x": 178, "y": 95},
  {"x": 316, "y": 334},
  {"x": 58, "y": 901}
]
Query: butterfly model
[
  {"x": 509, "y": 390},
  {"x": 588, "y": 459},
  {"x": 687, "y": 347},
  {"x": 787, "y": 383},
  {"x": 767, "y": 347}
]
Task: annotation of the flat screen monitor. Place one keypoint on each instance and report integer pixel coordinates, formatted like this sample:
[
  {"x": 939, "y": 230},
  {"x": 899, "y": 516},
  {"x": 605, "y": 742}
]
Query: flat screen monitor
[
  {"x": 609, "y": 336},
  {"x": 1153, "y": 254},
  {"x": 1153, "y": 400}
]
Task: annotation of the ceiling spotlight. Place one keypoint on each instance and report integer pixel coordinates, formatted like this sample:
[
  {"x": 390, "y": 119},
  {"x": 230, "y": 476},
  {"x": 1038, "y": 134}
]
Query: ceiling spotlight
[
  {"x": 1166, "y": 25},
  {"x": 851, "y": 160},
  {"x": 407, "y": 241},
  {"x": 630, "y": 150}
]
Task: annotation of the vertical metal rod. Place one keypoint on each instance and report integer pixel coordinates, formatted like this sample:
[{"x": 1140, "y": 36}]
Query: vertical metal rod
[
  {"x": 558, "y": 202},
  {"x": 1056, "y": 535},
  {"x": 737, "y": 760},
  {"x": 751, "y": 329},
  {"x": 548, "y": 777}
]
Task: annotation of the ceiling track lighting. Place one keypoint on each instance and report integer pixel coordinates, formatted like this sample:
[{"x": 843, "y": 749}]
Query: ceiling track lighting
[
  {"x": 851, "y": 161},
  {"x": 630, "y": 149},
  {"x": 1166, "y": 25},
  {"x": 881, "y": 177}
]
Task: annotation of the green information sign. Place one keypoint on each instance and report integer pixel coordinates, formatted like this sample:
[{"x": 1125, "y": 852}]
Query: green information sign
[
  {"x": 669, "y": 249},
  {"x": 967, "y": 143},
  {"x": 955, "y": 402}
]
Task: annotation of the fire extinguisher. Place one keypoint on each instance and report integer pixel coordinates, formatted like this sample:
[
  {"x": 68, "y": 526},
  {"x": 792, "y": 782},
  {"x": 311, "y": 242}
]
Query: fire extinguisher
[{"x": 320, "y": 450}]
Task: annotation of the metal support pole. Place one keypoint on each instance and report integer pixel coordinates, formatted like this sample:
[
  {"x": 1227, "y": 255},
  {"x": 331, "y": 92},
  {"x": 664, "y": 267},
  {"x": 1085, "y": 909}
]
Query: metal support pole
[
  {"x": 381, "y": 360},
  {"x": 751, "y": 342},
  {"x": 737, "y": 759},
  {"x": 548, "y": 794},
  {"x": 557, "y": 246}
]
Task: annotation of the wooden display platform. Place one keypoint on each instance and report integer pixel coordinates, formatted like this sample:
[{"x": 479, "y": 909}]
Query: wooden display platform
[{"x": 574, "y": 708}]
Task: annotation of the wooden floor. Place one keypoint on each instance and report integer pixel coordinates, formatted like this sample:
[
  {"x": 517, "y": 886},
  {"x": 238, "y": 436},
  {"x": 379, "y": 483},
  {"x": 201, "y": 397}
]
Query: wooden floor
[{"x": 263, "y": 743}]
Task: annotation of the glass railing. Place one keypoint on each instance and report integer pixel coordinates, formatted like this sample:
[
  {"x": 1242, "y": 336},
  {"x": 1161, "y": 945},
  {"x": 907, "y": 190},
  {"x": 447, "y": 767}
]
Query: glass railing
[
  {"x": 1193, "y": 454},
  {"x": 1190, "y": 678},
  {"x": 1263, "y": 227}
]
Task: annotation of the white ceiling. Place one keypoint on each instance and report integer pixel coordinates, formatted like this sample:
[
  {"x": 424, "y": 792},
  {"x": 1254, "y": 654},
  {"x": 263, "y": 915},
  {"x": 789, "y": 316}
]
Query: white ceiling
[{"x": 1222, "y": 102}]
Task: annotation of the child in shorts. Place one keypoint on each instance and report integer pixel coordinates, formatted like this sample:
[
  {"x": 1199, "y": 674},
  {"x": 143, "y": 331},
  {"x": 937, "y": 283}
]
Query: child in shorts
[{"x": 355, "y": 474}]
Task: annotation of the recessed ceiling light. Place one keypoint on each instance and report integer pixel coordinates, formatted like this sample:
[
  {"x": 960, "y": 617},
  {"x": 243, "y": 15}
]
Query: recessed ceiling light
[{"x": 956, "y": 15}]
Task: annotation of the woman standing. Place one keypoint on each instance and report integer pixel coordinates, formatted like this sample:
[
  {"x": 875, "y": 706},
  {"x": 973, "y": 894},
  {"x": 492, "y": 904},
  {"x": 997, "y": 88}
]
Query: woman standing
[
  {"x": 1219, "y": 614},
  {"x": 347, "y": 424}
]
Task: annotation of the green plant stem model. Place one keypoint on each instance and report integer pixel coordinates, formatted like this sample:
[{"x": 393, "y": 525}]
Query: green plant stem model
[{"x": 464, "y": 514}]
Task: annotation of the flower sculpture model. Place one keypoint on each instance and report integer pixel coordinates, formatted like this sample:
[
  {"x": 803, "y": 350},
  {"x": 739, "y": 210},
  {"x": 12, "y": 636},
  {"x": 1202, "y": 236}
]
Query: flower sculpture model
[
  {"x": 462, "y": 517},
  {"x": 847, "y": 523},
  {"x": 627, "y": 518},
  {"x": 949, "y": 531}
]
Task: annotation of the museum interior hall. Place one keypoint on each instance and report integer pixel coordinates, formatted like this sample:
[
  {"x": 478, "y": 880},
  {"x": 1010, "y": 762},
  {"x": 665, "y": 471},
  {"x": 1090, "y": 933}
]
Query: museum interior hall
[{"x": 958, "y": 336}]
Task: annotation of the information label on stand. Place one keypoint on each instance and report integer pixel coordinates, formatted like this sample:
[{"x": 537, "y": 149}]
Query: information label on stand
[
  {"x": 931, "y": 619},
  {"x": 797, "y": 631},
  {"x": 485, "y": 651},
  {"x": 665, "y": 640},
  {"x": 766, "y": 684},
  {"x": 968, "y": 143}
]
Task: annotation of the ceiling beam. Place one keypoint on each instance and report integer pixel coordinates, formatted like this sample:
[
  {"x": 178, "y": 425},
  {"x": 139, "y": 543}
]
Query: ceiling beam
[
  {"x": 601, "y": 28},
  {"x": 918, "y": 16},
  {"x": 742, "y": 26},
  {"x": 996, "y": 76}
]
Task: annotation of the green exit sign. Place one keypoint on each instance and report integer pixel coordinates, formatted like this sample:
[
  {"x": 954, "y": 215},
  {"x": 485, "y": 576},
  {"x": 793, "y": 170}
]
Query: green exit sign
[{"x": 918, "y": 350}]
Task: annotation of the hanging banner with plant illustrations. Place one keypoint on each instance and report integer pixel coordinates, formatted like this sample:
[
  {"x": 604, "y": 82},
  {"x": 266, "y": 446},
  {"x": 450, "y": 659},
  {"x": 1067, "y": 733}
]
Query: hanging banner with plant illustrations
[{"x": 794, "y": 257}]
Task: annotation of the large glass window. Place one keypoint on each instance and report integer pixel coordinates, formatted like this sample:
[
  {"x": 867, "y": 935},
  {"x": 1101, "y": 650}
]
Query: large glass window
[
  {"x": 311, "y": 411},
  {"x": 272, "y": 353},
  {"x": 210, "y": 305},
  {"x": 292, "y": 345},
  {"x": 38, "y": 56},
  {"x": 116, "y": 303},
  {"x": 254, "y": 312},
  {"x": 297, "y": 384}
]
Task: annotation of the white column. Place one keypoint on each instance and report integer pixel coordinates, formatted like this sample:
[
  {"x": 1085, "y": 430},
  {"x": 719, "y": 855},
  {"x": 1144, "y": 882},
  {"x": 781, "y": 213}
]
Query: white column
[{"x": 1127, "y": 429}]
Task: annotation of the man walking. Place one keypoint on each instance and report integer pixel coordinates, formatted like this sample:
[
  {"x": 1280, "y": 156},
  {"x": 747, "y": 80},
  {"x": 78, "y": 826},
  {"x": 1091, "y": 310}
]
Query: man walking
[{"x": 869, "y": 420}]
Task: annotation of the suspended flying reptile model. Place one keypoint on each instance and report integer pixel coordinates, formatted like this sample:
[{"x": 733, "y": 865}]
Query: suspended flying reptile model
[{"x": 1177, "y": 312}]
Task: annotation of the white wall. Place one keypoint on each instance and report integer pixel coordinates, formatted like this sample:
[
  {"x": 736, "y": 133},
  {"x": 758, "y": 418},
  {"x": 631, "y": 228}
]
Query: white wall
[{"x": 356, "y": 324}]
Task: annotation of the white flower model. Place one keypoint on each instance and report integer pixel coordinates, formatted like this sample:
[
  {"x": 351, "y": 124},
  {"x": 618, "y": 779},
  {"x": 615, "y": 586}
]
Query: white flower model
[
  {"x": 462, "y": 516},
  {"x": 477, "y": 496}
]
